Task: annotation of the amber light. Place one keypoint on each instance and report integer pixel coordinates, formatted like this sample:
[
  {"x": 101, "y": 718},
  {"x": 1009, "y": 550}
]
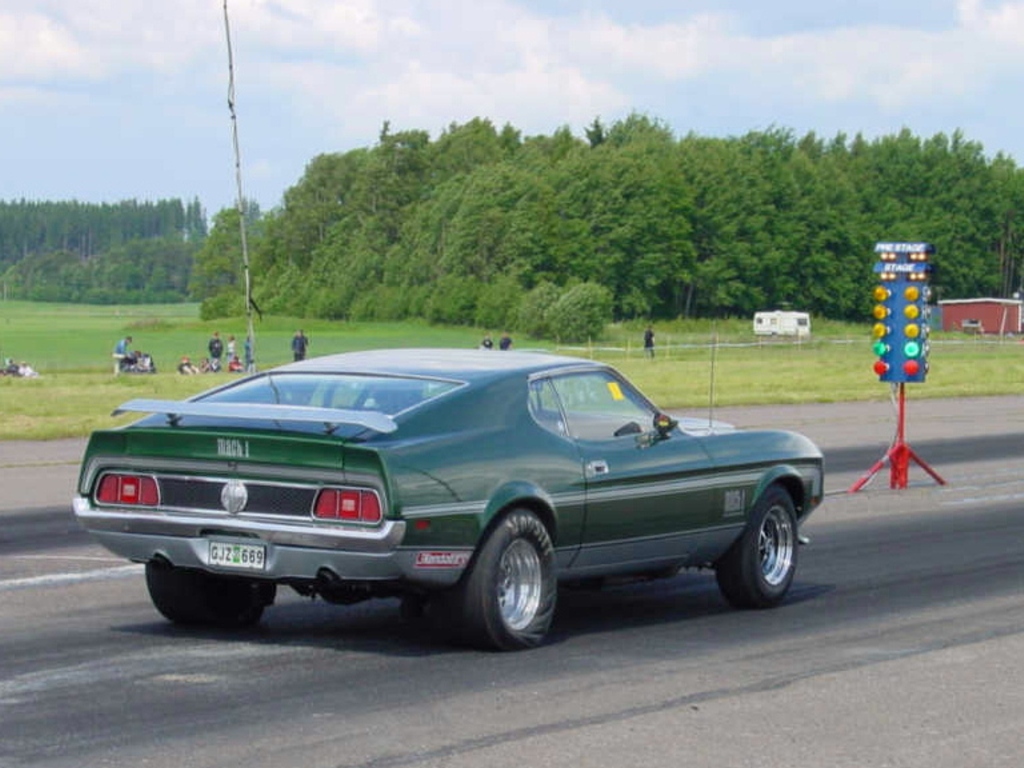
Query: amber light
[
  {"x": 135, "y": 490},
  {"x": 347, "y": 505}
]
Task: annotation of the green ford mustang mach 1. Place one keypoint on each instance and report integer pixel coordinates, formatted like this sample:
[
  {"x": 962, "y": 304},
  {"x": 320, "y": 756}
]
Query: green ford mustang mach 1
[{"x": 470, "y": 483}]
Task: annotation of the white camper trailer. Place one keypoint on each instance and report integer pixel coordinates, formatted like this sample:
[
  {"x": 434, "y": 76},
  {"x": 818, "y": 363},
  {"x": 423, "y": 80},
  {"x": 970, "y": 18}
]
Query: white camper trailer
[{"x": 782, "y": 323}]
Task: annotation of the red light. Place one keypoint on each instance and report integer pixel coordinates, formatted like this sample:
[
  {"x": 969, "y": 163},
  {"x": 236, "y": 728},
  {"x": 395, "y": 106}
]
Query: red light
[
  {"x": 370, "y": 512},
  {"x": 347, "y": 504},
  {"x": 136, "y": 490},
  {"x": 881, "y": 367},
  {"x": 911, "y": 368},
  {"x": 107, "y": 492},
  {"x": 326, "y": 507}
]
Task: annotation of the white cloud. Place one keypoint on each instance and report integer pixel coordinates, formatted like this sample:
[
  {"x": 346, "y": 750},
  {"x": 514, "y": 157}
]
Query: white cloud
[
  {"x": 35, "y": 47},
  {"x": 1001, "y": 25},
  {"x": 486, "y": 59},
  {"x": 670, "y": 51},
  {"x": 94, "y": 39},
  {"x": 534, "y": 97},
  {"x": 308, "y": 27},
  {"x": 323, "y": 75}
]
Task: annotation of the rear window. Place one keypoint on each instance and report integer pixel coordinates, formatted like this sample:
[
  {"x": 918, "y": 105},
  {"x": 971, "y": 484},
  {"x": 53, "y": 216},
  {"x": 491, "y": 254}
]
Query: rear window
[{"x": 387, "y": 394}]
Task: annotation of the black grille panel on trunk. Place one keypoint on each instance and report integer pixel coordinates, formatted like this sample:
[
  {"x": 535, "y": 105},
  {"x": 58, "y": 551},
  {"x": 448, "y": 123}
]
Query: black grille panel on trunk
[{"x": 264, "y": 499}]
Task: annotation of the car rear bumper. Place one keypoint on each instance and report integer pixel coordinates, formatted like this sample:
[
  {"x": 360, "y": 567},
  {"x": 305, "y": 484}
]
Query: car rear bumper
[{"x": 293, "y": 552}]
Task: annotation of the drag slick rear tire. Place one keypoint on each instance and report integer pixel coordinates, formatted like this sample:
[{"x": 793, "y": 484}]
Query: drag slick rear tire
[
  {"x": 196, "y": 598},
  {"x": 507, "y": 599}
]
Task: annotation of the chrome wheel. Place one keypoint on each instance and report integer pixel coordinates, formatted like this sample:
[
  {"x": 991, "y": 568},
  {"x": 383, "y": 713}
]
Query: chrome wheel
[
  {"x": 507, "y": 598},
  {"x": 520, "y": 584},
  {"x": 758, "y": 569},
  {"x": 775, "y": 545}
]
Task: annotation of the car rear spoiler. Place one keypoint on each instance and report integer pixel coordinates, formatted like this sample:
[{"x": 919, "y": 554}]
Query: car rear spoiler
[{"x": 331, "y": 418}]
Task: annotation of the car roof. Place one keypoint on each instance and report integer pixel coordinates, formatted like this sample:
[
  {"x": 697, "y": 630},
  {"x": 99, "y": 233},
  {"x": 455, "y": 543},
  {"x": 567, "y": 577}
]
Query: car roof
[{"x": 463, "y": 364}]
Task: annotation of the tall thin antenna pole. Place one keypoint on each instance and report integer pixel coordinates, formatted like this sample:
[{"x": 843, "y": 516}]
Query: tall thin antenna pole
[
  {"x": 250, "y": 340},
  {"x": 711, "y": 384}
]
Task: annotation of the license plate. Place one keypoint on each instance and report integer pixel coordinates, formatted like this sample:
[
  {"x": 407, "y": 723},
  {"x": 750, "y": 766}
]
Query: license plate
[{"x": 247, "y": 557}]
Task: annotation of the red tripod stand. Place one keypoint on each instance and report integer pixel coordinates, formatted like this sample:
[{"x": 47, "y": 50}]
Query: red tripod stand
[{"x": 899, "y": 455}]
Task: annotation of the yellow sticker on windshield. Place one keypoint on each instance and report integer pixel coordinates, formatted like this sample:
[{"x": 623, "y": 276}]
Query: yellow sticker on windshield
[{"x": 613, "y": 387}]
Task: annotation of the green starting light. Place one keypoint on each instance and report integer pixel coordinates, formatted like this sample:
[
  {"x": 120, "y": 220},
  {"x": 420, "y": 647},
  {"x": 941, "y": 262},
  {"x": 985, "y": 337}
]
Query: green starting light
[
  {"x": 912, "y": 349},
  {"x": 880, "y": 347}
]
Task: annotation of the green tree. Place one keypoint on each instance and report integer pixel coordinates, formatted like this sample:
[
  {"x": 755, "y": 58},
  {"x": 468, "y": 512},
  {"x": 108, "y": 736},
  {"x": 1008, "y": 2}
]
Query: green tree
[{"x": 581, "y": 313}]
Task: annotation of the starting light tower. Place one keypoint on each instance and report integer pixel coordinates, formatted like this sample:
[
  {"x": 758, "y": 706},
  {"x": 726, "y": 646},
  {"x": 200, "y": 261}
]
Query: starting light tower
[
  {"x": 900, "y": 342},
  {"x": 901, "y": 311}
]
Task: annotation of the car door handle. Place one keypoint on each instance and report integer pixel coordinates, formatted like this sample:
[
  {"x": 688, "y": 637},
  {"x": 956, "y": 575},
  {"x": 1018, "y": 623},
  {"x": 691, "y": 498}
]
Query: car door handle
[{"x": 597, "y": 467}]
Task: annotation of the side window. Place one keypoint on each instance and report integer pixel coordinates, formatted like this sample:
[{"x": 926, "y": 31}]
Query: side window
[
  {"x": 544, "y": 407},
  {"x": 600, "y": 406}
]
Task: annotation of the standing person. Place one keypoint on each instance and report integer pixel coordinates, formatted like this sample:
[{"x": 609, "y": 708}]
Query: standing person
[
  {"x": 216, "y": 347},
  {"x": 649, "y": 342},
  {"x": 121, "y": 352},
  {"x": 299, "y": 345},
  {"x": 505, "y": 342},
  {"x": 487, "y": 343},
  {"x": 232, "y": 348}
]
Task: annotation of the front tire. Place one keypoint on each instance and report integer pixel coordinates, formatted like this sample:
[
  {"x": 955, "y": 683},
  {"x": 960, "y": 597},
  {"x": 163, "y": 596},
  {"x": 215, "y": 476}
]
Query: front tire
[
  {"x": 507, "y": 600},
  {"x": 758, "y": 569},
  {"x": 196, "y": 598}
]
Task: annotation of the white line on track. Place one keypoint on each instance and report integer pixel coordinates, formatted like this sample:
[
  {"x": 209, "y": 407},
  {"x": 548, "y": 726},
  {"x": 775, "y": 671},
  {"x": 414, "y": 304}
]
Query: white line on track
[
  {"x": 87, "y": 558},
  {"x": 52, "y": 579}
]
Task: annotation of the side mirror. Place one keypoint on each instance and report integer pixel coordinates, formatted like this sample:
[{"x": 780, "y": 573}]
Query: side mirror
[{"x": 664, "y": 424}]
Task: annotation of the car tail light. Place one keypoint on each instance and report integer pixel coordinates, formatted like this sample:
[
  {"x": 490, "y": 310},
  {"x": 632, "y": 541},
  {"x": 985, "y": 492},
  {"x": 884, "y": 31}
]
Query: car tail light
[
  {"x": 347, "y": 505},
  {"x": 134, "y": 490}
]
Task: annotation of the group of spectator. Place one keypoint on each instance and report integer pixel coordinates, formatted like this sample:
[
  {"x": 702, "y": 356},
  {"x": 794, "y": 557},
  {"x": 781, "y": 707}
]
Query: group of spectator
[
  {"x": 219, "y": 353},
  {"x": 125, "y": 359},
  {"x": 22, "y": 369},
  {"x": 222, "y": 356},
  {"x": 128, "y": 361}
]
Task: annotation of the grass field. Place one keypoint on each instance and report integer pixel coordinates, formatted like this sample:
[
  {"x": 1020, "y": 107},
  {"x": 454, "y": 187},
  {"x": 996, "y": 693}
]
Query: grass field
[{"x": 696, "y": 362}]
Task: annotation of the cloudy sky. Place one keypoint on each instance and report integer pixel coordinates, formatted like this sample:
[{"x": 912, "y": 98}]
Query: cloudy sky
[{"x": 105, "y": 100}]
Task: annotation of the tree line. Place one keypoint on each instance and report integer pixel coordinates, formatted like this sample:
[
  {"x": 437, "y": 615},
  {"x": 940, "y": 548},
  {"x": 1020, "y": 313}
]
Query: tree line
[
  {"x": 483, "y": 226},
  {"x": 555, "y": 234},
  {"x": 129, "y": 252}
]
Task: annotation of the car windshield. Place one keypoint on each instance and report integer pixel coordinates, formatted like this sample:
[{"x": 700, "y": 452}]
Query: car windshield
[{"x": 386, "y": 394}]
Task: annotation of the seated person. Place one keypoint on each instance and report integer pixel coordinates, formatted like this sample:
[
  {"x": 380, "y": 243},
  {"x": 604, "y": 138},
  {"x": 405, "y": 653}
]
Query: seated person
[
  {"x": 235, "y": 365},
  {"x": 186, "y": 368},
  {"x": 27, "y": 371},
  {"x": 144, "y": 363},
  {"x": 128, "y": 361}
]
